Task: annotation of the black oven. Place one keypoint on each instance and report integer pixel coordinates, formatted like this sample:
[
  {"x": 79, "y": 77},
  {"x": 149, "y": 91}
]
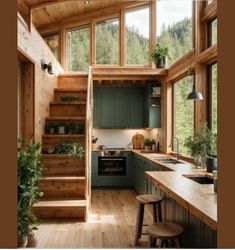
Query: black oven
[{"x": 111, "y": 166}]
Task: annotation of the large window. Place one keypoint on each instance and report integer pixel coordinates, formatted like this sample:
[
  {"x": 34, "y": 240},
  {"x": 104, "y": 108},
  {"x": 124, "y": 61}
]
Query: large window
[
  {"x": 137, "y": 36},
  {"x": 212, "y": 31},
  {"x": 78, "y": 49},
  {"x": 107, "y": 42},
  {"x": 183, "y": 112},
  {"x": 174, "y": 27},
  {"x": 53, "y": 41},
  {"x": 213, "y": 97}
]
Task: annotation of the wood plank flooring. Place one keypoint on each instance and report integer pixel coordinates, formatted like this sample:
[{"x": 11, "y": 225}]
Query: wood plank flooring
[{"x": 111, "y": 224}]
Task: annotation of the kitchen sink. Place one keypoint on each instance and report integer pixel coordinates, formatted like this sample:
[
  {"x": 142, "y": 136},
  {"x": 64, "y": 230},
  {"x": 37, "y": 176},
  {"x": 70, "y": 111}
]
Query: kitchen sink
[
  {"x": 201, "y": 179},
  {"x": 167, "y": 160}
]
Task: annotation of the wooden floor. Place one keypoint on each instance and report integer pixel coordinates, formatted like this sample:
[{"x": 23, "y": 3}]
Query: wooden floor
[{"x": 111, "y": 224}]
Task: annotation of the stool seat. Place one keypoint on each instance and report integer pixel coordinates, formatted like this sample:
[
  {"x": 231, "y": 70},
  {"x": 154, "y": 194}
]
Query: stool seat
[
  {"x": 164, "y": 230},
  {"x": 148, "y": 198}
]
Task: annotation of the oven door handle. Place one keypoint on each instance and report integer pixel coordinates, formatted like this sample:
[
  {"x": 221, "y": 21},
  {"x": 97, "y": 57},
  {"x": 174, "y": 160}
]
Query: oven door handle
[{"x": 112, "y": 159}]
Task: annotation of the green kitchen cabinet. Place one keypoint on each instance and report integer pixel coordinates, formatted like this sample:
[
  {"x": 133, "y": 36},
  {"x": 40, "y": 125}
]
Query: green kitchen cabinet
[
  {"x": 136, "y": 107},
  {"x": 94, "y": 168},
  {"x": 119, "y": 107}
]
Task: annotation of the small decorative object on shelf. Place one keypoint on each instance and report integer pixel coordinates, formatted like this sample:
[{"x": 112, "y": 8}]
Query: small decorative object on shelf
[
  {"x": 94, "y": 140},
  {"x": 156, "y": 91},
  {"x": 153, "y": 145},
  {"x": 159, "y": 56}
]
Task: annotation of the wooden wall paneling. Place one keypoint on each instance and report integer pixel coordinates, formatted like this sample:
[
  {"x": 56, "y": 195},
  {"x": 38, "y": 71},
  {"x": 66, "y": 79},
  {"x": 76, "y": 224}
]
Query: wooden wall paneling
[
  {"x": 34, "y": 47},
  {"x": 27, "y": 102},
  {"x": 63, "y": 48}
]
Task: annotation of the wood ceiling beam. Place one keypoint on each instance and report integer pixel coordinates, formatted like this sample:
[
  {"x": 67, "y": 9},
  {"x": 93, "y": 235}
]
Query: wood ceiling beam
[
  {"x": 89, "y": 15},
  {"x": 46, "y": 3}
]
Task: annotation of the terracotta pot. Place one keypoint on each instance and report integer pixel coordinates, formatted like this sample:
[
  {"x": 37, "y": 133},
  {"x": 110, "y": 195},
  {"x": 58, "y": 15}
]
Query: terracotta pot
[
  {"x": 148, "y": 147},
  {"x": 93, "y": 146}
]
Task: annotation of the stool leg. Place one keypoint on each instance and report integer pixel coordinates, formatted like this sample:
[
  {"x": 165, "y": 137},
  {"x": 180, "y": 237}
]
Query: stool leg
[
  {"x": 154, "y": 212},
  {"x": 177, "y": 242},
  {"x": 139, "y": 223},
  {"x": 150, "y": 242},
  {"x": 159, "y": 211}
]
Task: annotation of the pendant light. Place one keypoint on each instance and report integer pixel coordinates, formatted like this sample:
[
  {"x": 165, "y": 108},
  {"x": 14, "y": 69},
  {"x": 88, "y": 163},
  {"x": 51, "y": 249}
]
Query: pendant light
[{"x": 194, "y": 95}]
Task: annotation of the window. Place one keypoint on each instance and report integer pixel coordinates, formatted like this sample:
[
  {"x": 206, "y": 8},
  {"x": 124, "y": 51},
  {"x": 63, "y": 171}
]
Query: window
[
  {"x": 183, "y": 112},
  {"x": 78, "y": 49},
  {"x": 107, "y": 42},
  {"x": 212, "y": 31},
  {"x": 213, "y": 98},
  {"x": 53, "y": 41},
  {"x": 209, "y": 1},
  {"x": 137, "y": 36},
  {"x": 174, "y": 27}
]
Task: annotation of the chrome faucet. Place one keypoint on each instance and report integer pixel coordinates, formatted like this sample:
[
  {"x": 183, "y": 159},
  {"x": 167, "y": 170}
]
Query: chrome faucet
[{"x": 172, "y": 146}]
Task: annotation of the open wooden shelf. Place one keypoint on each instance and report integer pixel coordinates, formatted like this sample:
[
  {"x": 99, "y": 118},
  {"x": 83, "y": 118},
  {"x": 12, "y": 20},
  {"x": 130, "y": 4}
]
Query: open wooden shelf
[{"x": 63, "y": 118}]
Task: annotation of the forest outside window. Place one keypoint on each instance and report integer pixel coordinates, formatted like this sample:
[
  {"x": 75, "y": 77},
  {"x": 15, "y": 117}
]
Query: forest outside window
[
  {"x": 53, "y": 41},
  {"x": 174, "y": 27},
  {"x": 212, "y": 119},
  {"x": 212, "y": 31},
  {"x": 183, "y": 112},
  {"x": 78, "y": 49},
  {"x": 107, "y": 42},
  {"x": 137, "y": 36}
]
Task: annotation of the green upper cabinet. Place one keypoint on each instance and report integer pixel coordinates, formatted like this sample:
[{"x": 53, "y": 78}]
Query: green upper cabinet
[
  {"x": 136, "y": 107},
  {"x": 118, "y": 107}
]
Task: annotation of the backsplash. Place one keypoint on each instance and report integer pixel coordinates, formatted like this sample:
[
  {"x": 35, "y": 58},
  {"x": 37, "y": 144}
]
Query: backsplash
[{"x": 119, "y": 138}]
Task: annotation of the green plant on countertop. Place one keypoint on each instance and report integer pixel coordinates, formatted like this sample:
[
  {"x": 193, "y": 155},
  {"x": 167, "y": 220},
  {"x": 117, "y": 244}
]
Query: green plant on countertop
[
  {"x": 147, "y": 142},
  {"x": 202, "y": 142},
  {"x": 70, "y": 148},
  {"x": 29, "y": 171}
]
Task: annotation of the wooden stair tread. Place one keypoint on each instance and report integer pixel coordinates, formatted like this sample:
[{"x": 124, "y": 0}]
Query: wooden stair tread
[
  {"x": 61, "y": 203},
  {"x": 58, "y": 118},
  {"x": 68, "y": 103},
  {"x": 70, "y": 90},
  {"x": 64, "y": 135},
  {"x": 63, "y": 178}
]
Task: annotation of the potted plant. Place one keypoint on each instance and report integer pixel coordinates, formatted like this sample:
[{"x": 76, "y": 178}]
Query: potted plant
[
  {"x": 159, "y": 56},
  {"x": 29, "y": 171},
  {"x": 50, "y": 128},
  {"x": 75, "y": 128},
  {"x": 147, "y": 144},
  {"x": 61, "y": 128},
  {"x": 153, "y": 145},
  {"x": 200, "y": 144},
  {"x": 70, "y": 148},
  {"x": 94, "y": 140}
]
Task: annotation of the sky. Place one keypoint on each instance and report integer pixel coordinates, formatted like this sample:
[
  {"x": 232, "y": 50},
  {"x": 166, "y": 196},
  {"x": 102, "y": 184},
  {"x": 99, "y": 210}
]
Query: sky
[{"x": 168, "y": 12}]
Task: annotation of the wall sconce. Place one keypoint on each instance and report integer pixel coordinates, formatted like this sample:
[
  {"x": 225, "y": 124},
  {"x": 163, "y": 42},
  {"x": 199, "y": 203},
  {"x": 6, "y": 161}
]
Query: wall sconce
[{"x": 47, "y": 66}]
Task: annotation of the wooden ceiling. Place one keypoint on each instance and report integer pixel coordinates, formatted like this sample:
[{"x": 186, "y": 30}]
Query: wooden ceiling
[{"x": 45, "y": 12}]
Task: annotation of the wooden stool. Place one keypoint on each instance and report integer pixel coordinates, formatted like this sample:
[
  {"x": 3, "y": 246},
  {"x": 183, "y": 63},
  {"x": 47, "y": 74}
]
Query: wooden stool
[
  {"x": 165, "y": 232},
  {"x": 155, "y": 201}
]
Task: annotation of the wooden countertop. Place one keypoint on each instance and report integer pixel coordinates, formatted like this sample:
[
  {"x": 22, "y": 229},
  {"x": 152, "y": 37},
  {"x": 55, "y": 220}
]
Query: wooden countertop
[{"x": 199, "y": 199}]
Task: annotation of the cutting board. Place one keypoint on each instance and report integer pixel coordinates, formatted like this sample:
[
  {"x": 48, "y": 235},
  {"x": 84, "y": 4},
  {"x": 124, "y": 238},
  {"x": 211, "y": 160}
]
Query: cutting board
[{"x": 137, "y": 141}]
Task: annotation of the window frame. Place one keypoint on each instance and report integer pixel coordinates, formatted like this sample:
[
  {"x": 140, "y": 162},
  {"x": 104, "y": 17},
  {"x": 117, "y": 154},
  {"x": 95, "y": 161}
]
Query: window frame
[
  {"x": 209, "y": 32},
  {"x": 209, "y": 92},
  {"x": 81, "y": 26}
]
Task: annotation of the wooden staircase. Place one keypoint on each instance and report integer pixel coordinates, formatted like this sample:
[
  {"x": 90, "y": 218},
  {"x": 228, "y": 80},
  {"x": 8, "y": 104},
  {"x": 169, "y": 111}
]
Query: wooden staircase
[{"x": 64, "y": 179}]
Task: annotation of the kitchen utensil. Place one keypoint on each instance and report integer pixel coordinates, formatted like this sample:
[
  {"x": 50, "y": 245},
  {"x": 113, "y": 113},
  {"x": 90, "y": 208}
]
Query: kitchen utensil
[{"x": 137, "y": 141}]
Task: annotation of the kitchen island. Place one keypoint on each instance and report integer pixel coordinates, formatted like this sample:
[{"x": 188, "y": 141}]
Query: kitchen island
[{"x": 191, "y": 204}]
